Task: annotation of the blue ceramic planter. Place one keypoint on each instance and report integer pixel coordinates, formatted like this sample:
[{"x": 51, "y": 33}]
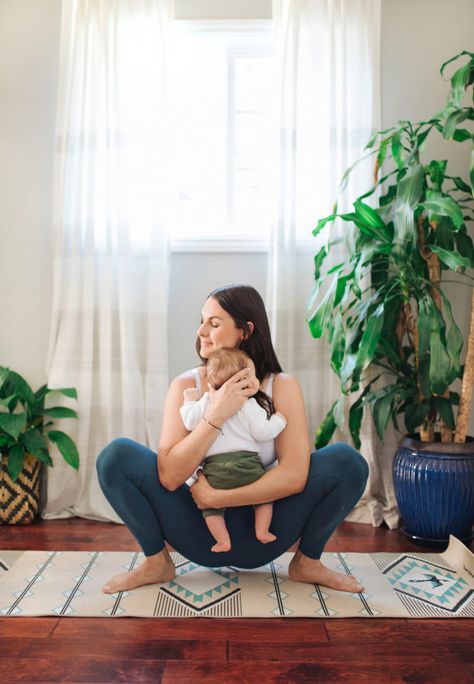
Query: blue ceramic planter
[{"x": 434, "y": 486}]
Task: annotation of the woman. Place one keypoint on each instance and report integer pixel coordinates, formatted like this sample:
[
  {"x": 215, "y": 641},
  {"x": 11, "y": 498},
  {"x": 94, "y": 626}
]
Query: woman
[{"x": 312, "y": 493}]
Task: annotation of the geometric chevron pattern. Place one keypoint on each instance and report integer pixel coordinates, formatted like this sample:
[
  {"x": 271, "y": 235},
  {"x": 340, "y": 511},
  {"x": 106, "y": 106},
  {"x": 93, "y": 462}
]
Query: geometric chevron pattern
[
  {"x": 429, "y": 583},
  {"x": 68, "y": 584},
  {"x": 19, "y": 500},
  {"x": 199, "y": 587}
]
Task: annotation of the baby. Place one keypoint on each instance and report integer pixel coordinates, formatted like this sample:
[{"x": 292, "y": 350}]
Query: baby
[{"x": 233, "y": 460}]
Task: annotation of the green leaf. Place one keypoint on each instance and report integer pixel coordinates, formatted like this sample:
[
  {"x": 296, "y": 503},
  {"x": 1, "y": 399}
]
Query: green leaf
[
  {"x": 461, "y": 135},
  {"x": 439, "y": 363},
  {"x": 382, "y": 153},
  {"x": 424, "y": 376},
  {"x": 340, "y": 289},
  {"x": 453, "y": 59},
  {"x": 452, "y": 122},
  {"x": 370, "y": 338},
  {"x": 415, "y": 415},
  {"x": 59, "y": 412},
  {"x": 437, "y": 171},
  {"x": 375, "y": 136},
  {"x": 424, "y": 326},
  {"x": 471, "y": 171},
  {"x": 8, "y": 400},
  {"x": 355, "y": 420},
  {"x": 369, "y": 219},
  {"x": 444, "y": 235},
  {"x": 326, "y": 430},
  {"x": 454, "y": 398},
  {"x": 381, "y": 411},
  {"x": 444, "y": 206},
  {"x": 70, "y": 392},
  {"x": 348, "y": 367},
  {"x": 322, "y": 222},
  {"x": 397, "y": 149},
  {"x": 390, "y": 195},
  {"x": 15, "y": 384},
  {"x": 338, "y": 412},
  {"x": 321, "y": 317},
  {"x": 15, "y": 461},
  {"x": 3, "y": 375},
  {"x": 444, "y": 408},
  {"x": 409, "y": 192},
  {"x": 459, "y": 81},
  {"x": 35, "y": 443},
  {"x": 13, "y": 423},
  {"x": 421, "y": 137},
  {"x": 452, "y": 260},
  {"x": 454, "y": 342},
  {"x": 460, "y": 184},
  {"x": 465, "y": 247},
  {"x": 66, "y": 446},
  {"x": 318, "y": 261},
  {"x": 337, "y": 344}
]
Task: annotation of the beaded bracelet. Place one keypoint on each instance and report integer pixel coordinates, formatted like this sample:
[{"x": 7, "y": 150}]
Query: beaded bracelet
[{"x": 212, "y": 424}]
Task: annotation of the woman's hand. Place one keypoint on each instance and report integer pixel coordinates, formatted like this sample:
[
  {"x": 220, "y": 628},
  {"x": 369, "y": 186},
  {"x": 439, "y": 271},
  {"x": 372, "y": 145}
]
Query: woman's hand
[
  {"x": 233, "y": 394},
  {"x": 203, "y": 494}
]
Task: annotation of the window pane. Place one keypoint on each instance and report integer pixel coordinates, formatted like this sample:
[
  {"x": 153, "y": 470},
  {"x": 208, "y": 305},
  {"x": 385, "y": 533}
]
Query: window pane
[
  {"x": 223, "y": 142},
  {"x": 199, "y": 120}
]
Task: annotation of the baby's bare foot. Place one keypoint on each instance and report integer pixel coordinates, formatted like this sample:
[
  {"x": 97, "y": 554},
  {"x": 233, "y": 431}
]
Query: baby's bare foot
[
  {"x": 304, "y": 569},
  {"x": 154, "y": 569},
  {"x": 265, "y": 536},
  {"x": 221, "y": 546}
]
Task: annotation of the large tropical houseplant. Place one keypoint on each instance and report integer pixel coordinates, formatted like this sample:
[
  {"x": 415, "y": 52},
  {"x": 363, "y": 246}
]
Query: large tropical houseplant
[
  {"x": 394, "y": 342},
  {"x": 25, "y": 437}
]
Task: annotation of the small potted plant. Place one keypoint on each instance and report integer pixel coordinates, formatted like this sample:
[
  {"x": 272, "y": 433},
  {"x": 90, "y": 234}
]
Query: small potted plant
[
  {"x": 394, "y": 342},
  {"x": 25, "y": 434}
]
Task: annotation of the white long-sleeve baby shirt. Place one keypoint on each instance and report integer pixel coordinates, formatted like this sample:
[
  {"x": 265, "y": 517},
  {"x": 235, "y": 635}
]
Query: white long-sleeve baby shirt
[{"x": 241, "y": 432}]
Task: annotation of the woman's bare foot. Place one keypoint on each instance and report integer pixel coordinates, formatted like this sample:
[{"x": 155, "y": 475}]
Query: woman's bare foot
[
  {"x": 304, "y": 569},
  {"x": 265, "y": 536},
  {"x": 154, "y": 569},
  {"x": 221, "y": 546}
]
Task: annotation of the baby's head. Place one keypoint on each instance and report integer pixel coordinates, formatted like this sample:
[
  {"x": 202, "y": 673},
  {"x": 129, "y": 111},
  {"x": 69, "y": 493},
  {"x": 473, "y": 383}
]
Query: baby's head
[{"x": 223, "y": 363}]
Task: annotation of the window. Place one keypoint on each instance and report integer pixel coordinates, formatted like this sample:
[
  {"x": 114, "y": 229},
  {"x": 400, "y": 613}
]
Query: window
[{"x": 223, "y": 135}]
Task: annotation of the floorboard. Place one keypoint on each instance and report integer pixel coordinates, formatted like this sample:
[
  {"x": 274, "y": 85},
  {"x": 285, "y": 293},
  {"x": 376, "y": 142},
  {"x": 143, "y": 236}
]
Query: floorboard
[{"x": 276, "y": 651}]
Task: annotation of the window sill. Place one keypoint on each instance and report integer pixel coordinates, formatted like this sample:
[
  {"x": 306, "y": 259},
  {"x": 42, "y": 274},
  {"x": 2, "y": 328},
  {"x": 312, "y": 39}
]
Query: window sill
[{"x": 219, "y": 245}]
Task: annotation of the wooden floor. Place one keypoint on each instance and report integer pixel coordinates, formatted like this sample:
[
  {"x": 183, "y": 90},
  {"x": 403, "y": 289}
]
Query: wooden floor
[{"x": 386, "y": 651}]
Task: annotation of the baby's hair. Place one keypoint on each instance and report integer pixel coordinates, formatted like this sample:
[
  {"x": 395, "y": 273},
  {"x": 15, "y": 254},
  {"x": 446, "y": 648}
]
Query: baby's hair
[{"x": 223, "y": 363}]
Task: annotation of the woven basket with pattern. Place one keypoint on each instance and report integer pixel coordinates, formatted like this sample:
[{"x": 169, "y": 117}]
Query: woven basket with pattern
[{"x": 19, "y": 501}]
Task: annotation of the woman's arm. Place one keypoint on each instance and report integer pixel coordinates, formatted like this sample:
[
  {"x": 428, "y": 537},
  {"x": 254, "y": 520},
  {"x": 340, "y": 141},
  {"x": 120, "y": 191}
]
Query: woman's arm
[
  {"x": 293, "y": 451},
  {"x": 179, "y": 451}
]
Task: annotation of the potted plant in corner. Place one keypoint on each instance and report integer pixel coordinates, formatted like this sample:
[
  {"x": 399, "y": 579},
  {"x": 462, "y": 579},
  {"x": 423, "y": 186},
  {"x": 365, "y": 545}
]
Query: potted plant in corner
[
  {"x": 393, "y": 339},
  {"x": 25, "y": 435}
]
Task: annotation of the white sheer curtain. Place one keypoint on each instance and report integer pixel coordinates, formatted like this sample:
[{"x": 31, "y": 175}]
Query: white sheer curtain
[
  {"x": 328, "y": 64},
  {"x": 109, "y": 330}
]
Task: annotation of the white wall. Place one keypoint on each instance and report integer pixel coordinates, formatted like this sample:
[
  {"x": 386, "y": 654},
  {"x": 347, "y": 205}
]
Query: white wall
[
  {"x": 417, "y": 36},
  {"x": 29, "y": 40}
]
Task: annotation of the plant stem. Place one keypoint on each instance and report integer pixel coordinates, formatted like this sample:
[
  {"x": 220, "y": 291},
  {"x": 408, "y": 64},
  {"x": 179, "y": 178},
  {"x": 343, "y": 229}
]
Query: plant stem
[{"x": 467, "y": 385}]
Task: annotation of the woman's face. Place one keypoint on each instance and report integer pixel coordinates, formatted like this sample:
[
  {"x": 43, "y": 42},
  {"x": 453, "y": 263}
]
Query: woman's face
[{"x": 217, "y": 329}]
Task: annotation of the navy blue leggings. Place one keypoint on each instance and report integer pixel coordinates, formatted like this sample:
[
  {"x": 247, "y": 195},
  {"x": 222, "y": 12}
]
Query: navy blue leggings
[{"x": 129, "y": 479}]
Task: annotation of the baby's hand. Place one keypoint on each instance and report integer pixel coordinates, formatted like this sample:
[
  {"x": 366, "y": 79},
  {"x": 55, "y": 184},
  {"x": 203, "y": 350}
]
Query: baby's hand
[
  {"x": 191, "y": 394},
  {"x": 277, "y": 413},
  {"x": 252, "y": 380}
]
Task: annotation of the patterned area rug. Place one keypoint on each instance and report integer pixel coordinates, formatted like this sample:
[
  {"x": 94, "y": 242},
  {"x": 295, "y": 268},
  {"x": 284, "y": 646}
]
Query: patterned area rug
[{"x": 68, "y": 583}]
